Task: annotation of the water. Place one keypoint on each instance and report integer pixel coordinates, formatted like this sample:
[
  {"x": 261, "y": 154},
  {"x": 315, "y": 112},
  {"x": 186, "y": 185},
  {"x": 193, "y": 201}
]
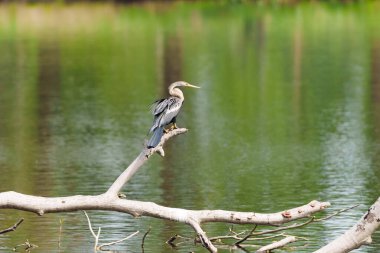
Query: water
[{"x": 289, "y": 111}]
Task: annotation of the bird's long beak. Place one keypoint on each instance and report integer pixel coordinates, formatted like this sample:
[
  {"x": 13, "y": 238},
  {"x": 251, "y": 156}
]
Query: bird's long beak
[{"x": 192, "y": 86}]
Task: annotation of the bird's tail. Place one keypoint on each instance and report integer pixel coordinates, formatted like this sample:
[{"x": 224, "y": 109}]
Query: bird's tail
[{"x": 156, "y": 137}]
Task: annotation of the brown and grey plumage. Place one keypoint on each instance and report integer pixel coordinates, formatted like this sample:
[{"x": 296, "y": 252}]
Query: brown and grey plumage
[{"x": 165, "y": 111}]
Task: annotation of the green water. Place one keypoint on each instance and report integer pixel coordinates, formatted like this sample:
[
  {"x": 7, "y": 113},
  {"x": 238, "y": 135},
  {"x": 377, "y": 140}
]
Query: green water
[{"x": 289, "y": 111}]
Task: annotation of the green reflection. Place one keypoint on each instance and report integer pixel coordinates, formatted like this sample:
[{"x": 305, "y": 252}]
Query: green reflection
[{"x": 288, "y": 111}]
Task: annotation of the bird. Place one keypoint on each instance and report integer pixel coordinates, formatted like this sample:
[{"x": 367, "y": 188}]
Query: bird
[{"x": 165, "y": 112}]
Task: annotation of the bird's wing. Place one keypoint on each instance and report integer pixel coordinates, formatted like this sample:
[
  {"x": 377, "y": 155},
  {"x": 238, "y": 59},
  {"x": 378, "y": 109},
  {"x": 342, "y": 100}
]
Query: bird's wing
[
  {"x": 164, "y": 111},
  {"x": 172, "y": 110},
  {"x": 158, "y": 106}
]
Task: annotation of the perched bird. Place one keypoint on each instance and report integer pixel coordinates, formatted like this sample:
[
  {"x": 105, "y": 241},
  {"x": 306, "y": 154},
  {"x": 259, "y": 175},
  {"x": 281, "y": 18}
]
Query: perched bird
[{"x": 165, "y": 111}]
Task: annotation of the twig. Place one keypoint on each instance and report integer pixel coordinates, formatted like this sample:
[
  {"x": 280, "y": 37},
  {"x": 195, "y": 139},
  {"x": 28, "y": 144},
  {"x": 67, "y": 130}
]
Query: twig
[
  {"x": 27, "y": 244},
  {"x": 140, "y": 160},
  {"x": 13, "y": 228},
  {"x": 89, "y": 224},
  {"x": 336, "y": 213},
  {"x": 357, "y": 235},
  {"x": 143, "y": 239},
  {"x": 247, "y": 236},
  {"x": 60, "y": 232},
  {"x": 171, "y": 240},
  {"x": 295, "y": 225},
  {"x": 96, "y": 236},
  {"x": 233, "y": 236},
  {"x": 268, "y": 237},
  {"x": 278, "y": 244},
  {"x": 118, "y": 241},
  {"x": 202, "y": 236}
]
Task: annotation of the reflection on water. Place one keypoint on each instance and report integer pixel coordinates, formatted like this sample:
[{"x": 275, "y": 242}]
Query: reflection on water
[{"x": 288, "y": 112}]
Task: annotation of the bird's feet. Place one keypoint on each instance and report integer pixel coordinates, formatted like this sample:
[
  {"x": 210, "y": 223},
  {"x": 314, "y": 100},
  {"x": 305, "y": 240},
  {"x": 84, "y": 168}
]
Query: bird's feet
[{"x": 172, "y": 127}]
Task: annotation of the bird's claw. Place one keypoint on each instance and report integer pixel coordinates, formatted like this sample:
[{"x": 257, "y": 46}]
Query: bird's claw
[{"x": 171, "y": 128}]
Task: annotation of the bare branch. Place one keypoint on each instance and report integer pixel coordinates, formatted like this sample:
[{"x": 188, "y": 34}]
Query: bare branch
[
  {"x": 295, "y": 225},
  {"x": 118, "y": 241},
  {"x": 202, "y": 236},
  {"x": 278, "y": 244},
  {"x": 27, "y": 246},
  {"x": 336, "y": 213},
  {"x": 42, "y": 205},
  {"x": 241, "y": 238},
  {"x": 97, "y": 236},
  {"x": 268, "y": 237},
  {"x": 60, "y": 232},
  {"x": 13, "y": 228},
  {"x": 358, "y": 235},
  {"x": 247, "y": 236},
  {"x": 140, "y": 160},
  {"x": 171, "y": 240},
  {"x": 143, "y": 239},
  {"x": 233, "y": 236},
  {"x": 89, "y": 224}
]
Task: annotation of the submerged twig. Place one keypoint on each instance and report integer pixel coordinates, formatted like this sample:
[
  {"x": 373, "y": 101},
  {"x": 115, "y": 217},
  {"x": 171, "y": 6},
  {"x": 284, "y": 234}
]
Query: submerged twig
[
  {"x": 13, "y": 228},
  {"x": 247, "y": 236},
  {"x": 143, "y": 239},
  {"x": 60, "y": 232},
  {"x": 336, "y": 213},
  {"x": 118, "y": 241},
  {"x": 97, "y": 236},
  {"x": 278, "y": 244},
  {"x": 28, "y": 246},
  {"x": 295, "y": 225}
]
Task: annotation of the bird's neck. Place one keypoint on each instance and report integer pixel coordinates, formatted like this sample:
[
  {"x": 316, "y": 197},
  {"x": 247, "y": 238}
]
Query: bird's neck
[{"x": 176, "y": 93}]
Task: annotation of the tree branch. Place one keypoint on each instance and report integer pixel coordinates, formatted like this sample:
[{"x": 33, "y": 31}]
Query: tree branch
[
  {"x": 97, "y": 236},
  {"x": 42, "y": 205},
  {"x": 140, "y": 160},
  {"x": 202, "y": 236},
  {"x": 13, "y": 228},
  {"x": 278, "y": 244},
  {"x": 118, "y": 241},
  {"x": 243, "y": 236},
  {"x": 143, "y": 239},
  {"x": 358, "y": 235}
]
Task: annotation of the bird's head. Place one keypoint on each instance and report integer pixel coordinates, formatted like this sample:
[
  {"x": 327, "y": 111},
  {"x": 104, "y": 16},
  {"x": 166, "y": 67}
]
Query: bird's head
[{"x": 181, "y": 84}]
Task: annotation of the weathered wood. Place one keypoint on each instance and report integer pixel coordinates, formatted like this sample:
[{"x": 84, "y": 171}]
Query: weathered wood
[{"x": 357, "y": 235}]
